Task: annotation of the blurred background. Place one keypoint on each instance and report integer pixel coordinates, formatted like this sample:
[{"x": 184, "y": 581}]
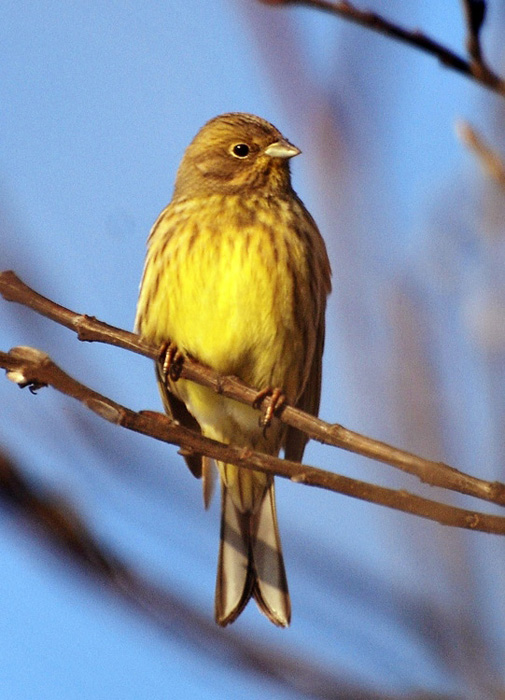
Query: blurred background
[{"x": 108, "y": 558}]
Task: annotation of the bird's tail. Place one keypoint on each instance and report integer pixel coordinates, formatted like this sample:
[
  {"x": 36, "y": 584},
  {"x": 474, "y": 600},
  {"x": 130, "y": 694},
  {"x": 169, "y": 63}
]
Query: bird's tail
[{"x": 250, "y": 561}]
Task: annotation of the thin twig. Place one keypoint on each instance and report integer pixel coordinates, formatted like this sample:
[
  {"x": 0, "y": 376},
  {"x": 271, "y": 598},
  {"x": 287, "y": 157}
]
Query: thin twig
[
  {"x": 475, "y": 13},
  {"x": 490, "y": 160},
  {"x": 33, "y": 368},
  {"x": 475, "y": 70},
  {"x": 89, "y": 328}
]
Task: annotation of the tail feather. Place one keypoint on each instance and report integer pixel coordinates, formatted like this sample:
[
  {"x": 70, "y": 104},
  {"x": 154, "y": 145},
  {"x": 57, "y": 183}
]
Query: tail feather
[
  {"x": 250, "y": 562},
  {"x": 271, "y": 586},
  {"x": 235, "y": 578}
]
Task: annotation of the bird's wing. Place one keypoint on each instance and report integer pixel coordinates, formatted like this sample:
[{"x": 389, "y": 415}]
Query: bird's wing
[
  {"x": 309, "y": 400},
  {"x": 176, "y": 409}
]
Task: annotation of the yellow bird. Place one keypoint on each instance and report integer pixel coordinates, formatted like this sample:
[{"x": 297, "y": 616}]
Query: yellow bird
[{"x": 237, "y": 276}]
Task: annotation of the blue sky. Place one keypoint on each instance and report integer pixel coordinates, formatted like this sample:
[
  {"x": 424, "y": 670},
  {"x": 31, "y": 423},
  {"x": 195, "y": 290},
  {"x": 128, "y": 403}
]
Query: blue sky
[{"x": 98, "y": 102}]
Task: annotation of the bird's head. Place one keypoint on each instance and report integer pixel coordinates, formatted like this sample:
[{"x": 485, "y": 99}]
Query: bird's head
[{"x": 236, "y": 153}]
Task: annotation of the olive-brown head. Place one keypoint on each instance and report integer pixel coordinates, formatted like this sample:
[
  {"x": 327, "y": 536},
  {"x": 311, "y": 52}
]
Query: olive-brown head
[{"x": 235, "y": 153}]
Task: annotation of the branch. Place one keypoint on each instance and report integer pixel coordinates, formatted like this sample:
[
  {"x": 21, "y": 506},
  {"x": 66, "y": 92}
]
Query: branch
[
  {"x": 475, "y": 69},
  {"x": 57, "y": 517},
  {"x": 166, "y": 607},
  {"x": 490, "y": 160},
  {"x": 90, "y": 329},
  {"x": 475, "y": 13},
  {"x": 33, "y": 368}
]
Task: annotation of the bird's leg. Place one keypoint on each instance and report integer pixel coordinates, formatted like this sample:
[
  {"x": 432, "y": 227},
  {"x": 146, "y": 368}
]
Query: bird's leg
[
  {"x": 171, "y": 359},
  {"x": 277, "y": 401}
]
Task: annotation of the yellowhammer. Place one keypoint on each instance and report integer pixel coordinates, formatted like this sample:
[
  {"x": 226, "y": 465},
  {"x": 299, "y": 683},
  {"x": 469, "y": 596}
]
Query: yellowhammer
[{"x": 237, "y": 276}]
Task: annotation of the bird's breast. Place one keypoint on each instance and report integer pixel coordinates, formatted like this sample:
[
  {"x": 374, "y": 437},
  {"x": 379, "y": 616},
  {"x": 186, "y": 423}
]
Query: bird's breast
[{"x": 229, "y": 279}]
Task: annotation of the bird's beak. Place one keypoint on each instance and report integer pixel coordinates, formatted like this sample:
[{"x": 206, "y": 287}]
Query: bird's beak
[{"x": 282, "y": 149}]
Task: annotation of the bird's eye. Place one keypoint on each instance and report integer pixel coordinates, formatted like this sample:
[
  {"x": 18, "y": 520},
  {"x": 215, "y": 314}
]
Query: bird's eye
[{"x": 240, "y": 150}]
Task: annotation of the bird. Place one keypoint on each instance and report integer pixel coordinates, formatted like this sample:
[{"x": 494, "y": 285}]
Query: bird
[{"x": 237, "y": 276}]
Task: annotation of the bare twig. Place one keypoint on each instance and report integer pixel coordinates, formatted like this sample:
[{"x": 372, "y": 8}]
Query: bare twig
[
  {"x": 31, "y": 367},
  {"x": 474, "y": 69},
  {"x": 475, "y": 13},
  {"x": 491, "y": 162},
  {"x": 90, "y": 329}
]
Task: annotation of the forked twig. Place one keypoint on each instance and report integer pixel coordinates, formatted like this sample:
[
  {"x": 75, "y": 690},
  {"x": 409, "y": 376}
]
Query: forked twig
[{"x": 475, "y": 68}]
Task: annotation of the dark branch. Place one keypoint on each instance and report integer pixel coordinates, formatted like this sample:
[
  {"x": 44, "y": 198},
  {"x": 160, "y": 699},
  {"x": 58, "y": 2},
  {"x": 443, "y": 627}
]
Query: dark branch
[
  {"x": 475, "y": 69},
  {"x": 475, "y": 13},
  {"x": 59, "y": 526}
]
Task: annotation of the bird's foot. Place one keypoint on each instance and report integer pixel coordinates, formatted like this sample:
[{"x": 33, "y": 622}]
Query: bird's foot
[
  {"x": 171, "y": 360},
  {"x": 277, "y": 401}
]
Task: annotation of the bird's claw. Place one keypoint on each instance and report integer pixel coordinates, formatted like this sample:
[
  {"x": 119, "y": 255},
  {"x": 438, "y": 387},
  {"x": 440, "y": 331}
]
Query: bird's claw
[
  {"x": 171, "y": 360},
  {"x": 277, "y": 401}
]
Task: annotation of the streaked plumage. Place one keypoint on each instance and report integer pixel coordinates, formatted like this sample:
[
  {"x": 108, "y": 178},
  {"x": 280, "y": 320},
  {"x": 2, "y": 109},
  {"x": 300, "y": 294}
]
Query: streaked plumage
[{"x": 237, "y": 276}]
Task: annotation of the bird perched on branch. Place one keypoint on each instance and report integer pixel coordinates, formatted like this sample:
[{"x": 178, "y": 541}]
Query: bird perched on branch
[{"x": 237, "y": 275}]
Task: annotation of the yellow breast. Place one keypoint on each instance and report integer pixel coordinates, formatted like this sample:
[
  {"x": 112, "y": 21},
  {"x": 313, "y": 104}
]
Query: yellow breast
[{"x": 223, "y": 280}]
